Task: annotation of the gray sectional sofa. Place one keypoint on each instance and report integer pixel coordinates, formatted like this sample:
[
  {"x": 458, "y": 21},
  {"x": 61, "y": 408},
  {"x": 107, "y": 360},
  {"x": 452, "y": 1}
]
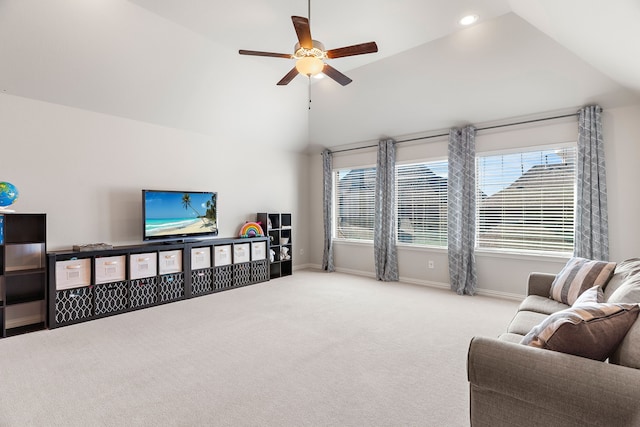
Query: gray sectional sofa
[{"x": 512, "y": 384}]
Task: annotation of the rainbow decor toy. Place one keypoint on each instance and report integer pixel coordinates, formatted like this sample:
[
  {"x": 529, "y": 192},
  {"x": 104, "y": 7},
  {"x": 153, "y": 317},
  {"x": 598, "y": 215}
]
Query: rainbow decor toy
[{"x": 251, "y": 229}]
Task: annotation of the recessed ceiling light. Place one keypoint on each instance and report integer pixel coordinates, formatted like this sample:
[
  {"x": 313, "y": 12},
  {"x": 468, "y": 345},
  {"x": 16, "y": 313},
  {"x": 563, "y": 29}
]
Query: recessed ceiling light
[{"x": 468, "y": 20}]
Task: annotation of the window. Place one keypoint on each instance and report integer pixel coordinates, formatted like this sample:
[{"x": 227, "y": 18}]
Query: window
[
  {"x": 525, "y": 201},
  {"x": 422, "y": 203},
  {"x": 355, "y": 203}
]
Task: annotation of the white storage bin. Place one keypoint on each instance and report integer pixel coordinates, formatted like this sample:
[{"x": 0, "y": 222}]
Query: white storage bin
[
  {"x": 143, "y": 265},
  {"x": 74, "y": 273},
  {"x": 222, "y": 255},
  {"x": 110, "y": 269},
  {"x": 241, "y": 253},
  {"x": 200, "y": 258},
  {"x": 170, "y": 262},
  {"x": 258, "y": 251}
]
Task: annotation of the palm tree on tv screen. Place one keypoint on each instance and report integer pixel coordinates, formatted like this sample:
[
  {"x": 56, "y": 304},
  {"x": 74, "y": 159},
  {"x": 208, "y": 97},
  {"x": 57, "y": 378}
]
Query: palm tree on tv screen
[
  {"x": 186, "y": 203},
  {"x": 211, "y": 209}
]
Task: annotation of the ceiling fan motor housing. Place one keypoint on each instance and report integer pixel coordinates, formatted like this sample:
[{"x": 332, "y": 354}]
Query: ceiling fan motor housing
[{"x": 317, "y": 51}]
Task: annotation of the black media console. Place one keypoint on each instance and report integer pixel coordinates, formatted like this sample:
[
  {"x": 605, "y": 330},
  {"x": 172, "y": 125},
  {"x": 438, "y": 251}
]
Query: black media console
[{"x": 90, "y": 285}]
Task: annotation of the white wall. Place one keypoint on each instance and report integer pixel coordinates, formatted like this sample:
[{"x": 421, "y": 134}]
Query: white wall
[
  {"x": 85, "y": 170},
  {"x": 500, "y": 274},
  {"x": 622, "y": 139}
]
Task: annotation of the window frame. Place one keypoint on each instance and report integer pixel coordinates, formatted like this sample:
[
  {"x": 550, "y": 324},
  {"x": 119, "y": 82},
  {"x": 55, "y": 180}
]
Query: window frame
[
  {"x": 335, "y": 198},
  {"x": 522, "y": 251},
  {"x": 499, "y": 252},
  {"x": 425, "y": 162}
]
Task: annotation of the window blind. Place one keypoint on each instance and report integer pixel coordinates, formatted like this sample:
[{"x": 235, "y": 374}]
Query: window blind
[
  {"x": 525, "y": 201},
  {"x": 422, "y": 203},
  {"x": 354, "y": 203}
]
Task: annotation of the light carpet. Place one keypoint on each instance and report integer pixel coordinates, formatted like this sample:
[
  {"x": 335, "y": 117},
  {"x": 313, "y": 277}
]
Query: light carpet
[{"x": 312, "y": 349}]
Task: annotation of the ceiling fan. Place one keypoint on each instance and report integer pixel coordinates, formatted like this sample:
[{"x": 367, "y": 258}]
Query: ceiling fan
[{"x": 310, "y": 54}]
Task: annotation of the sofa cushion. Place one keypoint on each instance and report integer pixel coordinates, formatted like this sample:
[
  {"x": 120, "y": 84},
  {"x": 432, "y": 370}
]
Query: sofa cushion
[
  {"x": 524, "y": 321},
  {"x": 588, "y": 330},
  {"x": 514, "y": 338},
  {"x": 624, "y": 270},
  {"x": 628, "y": 292},
  {"x": 543, "y": 305},
  {"x": 628, "y": 353},
  {"x": 578, "y": 275}
]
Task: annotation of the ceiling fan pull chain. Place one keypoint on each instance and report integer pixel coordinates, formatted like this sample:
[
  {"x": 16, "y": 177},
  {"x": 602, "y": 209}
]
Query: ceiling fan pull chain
[{"x": 309, "y": 92}]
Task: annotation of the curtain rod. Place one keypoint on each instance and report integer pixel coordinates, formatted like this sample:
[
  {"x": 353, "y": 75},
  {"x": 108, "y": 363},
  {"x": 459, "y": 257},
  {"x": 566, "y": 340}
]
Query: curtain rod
[{"x": 447, "y": 134}]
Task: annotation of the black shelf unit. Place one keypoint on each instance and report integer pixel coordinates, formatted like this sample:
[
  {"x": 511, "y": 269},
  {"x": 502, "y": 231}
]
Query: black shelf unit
[
  {"x": 89, "y": 285},
  {"x": 23, "y": 274},
  {"x": 278, "y": 228}
]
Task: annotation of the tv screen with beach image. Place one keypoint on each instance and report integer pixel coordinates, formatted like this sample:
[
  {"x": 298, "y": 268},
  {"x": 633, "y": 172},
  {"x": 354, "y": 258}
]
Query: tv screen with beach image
[{"x": 177, "y": 214}]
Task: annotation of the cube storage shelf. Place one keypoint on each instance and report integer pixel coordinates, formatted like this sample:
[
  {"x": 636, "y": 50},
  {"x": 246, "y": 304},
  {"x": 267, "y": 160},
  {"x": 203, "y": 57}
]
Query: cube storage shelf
[
  {"x": 277, "y": 226},
  {"x": 23, "y": 283},
  {"x": 89, "y": 285}
]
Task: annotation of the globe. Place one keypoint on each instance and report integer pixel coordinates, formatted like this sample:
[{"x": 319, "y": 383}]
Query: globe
[{"x": 8, "y": 194}]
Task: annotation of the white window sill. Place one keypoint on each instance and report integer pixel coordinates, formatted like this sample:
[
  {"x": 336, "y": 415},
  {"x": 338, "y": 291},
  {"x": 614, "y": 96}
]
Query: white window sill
[{"x": 482, "y": 253}]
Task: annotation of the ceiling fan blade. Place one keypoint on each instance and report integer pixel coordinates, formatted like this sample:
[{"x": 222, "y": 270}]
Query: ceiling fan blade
[
  {"x": 336, "y": 75},
  {"x": 290, "y": 75},
  {"x": 258, "y": 53},
  {"x": 301, "y": 24},
  {"x": 356, "y": 49}
]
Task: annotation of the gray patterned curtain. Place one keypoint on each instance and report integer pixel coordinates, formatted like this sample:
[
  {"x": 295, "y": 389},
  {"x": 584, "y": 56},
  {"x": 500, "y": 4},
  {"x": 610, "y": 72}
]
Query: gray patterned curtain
[
  {"x": 384, "y": 236},
  {"x": 327, "y": 207},
  {"x": 592, "y": 229},
  {"x": 461, "y": 193}
]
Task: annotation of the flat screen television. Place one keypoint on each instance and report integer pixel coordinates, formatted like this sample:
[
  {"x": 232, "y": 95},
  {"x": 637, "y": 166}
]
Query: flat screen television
[{"x": 178, "y": 215}]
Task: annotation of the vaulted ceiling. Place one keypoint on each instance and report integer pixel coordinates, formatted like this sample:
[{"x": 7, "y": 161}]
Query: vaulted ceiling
[{"x": 175, "y": 63}]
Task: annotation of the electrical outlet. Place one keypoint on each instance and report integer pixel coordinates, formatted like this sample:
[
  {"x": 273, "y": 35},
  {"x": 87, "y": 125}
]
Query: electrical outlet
[
  {"x": 301, "y": 251},
  {"x": 431, "y": 265}
]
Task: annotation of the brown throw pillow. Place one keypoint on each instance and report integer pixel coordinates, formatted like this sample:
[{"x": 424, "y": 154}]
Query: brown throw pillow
[
  {"x": 589, "y": 330},
  {"x": 578, "y": 275}
]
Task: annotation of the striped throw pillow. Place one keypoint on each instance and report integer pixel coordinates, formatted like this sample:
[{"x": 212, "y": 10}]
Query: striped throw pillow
[
  {"x": 588, "y": 330},
  {"x": 578, "y": 275}
]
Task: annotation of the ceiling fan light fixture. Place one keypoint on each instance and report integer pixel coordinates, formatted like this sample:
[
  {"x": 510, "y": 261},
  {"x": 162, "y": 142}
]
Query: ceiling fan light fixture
[
  {"x": 468, "y": 20},
  {"x": 309, "y": 65}
]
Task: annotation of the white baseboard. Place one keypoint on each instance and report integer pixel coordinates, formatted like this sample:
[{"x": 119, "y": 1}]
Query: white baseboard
[
  {"x": 428, "y": 283},
  {"x": 305, "y": 267},
  {"x": 501, "y": 295},
  {"x": 356, "y": 272},
  {"x": 484, "y": 292}
]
